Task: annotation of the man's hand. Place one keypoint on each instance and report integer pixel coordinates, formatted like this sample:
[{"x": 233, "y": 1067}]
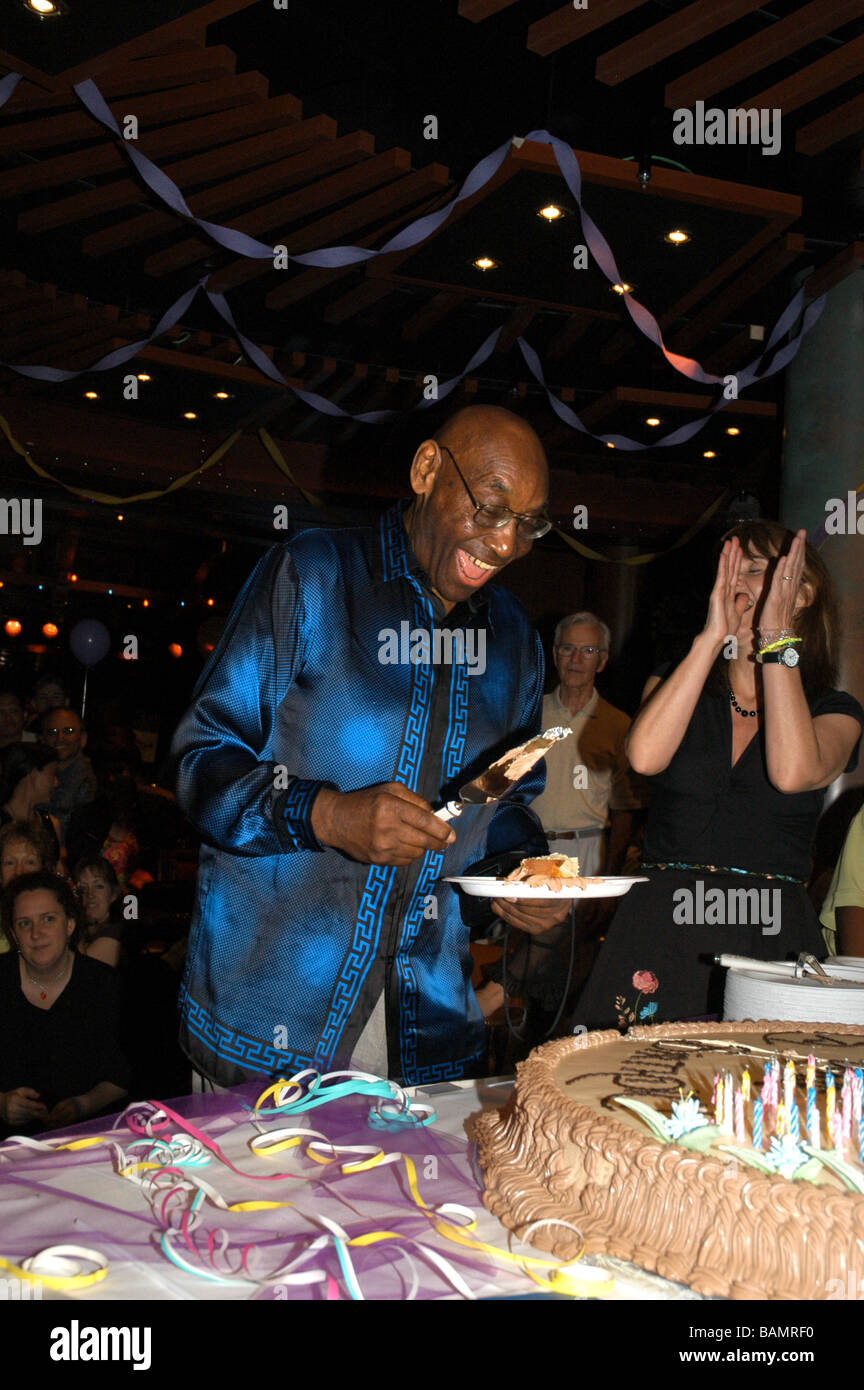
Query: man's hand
[
  {"x": 22, "y": 1106},
  {"x": 531, "y": 916},
  {"x": 66, "y": 1112},
  {"x": 386, "y": 824}
]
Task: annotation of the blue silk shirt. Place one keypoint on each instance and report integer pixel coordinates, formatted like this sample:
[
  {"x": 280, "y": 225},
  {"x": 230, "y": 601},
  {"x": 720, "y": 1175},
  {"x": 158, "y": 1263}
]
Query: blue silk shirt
[{"x": 292, "y": 944}]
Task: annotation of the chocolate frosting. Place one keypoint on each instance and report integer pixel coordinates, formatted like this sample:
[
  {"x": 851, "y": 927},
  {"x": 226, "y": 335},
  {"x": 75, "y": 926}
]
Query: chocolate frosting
[{"x": 719, "y": 1226}]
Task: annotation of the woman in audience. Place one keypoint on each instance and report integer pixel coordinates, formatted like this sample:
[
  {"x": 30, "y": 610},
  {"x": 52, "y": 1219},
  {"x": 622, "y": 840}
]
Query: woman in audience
[
  {"x": 100, "y": 937},
  {"x": 24, "y": 848},
  {"x": 60, "y": 1056},
  {"x": 29, "y": 777}
]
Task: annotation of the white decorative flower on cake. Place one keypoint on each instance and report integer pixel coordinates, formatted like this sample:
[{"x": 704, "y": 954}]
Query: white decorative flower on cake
[
  {"x": 787, "y": 1155},
  {"x": 686, "y": 1116}
]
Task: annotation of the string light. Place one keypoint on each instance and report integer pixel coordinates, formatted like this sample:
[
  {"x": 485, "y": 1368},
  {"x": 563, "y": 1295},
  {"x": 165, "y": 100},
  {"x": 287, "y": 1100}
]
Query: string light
[
  {"x": 622, "y": 288},
  {"x": 13, "y": 628},
  {"x": 50, "y": 629},
  {"x": 677, "y": 236},
  {"x": 485, "y": 263},
  {"x": 551, "y": 212},
  {"x": 176, "y": 650},
  {"x": 733, "y": 429},
  {"x": 652, "y": 420}
]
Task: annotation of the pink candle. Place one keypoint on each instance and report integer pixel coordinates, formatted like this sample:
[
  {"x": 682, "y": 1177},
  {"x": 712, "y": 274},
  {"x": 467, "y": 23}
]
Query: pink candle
[
  {"x": 740, "y": 1132},
  {"x": 838, "y": 1132}
]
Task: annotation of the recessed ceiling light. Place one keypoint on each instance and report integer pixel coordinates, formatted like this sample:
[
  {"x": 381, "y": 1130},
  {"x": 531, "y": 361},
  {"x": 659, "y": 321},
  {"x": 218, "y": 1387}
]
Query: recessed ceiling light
[
  {"x": 652, "y": 420},
  {"x": 709, "y": 454},
  {"x": 551, "y": 212},
  {"x": 221, "y": 395},
  {"x": 485, "y": 263},
  {"x": 677, "y": 236},
  {"x": 189, "y": 415},
  {"x": 143, "y": 376},
  {"x": 91, "y": 395},
  {"x": 622, "y": 288},
  {"x": 733, "y": 429},
  {"x": 45, "y": 9}
]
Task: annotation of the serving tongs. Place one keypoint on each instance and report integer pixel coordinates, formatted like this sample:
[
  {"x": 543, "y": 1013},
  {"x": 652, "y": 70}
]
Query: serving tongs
[
  {"x": 806, "y": 965},
  {"x": 492, "y": 784}
]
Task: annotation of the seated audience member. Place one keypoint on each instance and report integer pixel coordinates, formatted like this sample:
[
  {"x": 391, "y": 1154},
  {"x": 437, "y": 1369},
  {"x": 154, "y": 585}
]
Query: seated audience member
[
  {"x": 12, "y": 720},
  {"x": 108, "y": 826},
  {"x": 842, "y": 915},
  {"x": 100, "y": 938},
  {"x": 30, "y": 774},
  {"x": 48, "y": 693},
  {"x": 24, "y": 848},
  {"x": 60, "y": 1056},
  {"x": 76, "y": 783}
]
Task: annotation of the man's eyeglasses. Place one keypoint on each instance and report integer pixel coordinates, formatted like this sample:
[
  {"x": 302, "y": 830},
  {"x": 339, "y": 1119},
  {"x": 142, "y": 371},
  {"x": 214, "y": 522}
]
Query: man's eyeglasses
[
  {"x": 528, "y": 528},
  {"x": 568, "y": 650}
]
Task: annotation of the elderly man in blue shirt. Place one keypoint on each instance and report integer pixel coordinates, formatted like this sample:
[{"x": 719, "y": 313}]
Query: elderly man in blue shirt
[{"x": 315, "y": 751}]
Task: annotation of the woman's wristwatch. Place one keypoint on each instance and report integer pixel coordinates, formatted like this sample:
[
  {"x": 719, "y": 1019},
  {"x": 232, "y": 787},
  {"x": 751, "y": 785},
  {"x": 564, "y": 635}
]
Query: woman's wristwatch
[{"x": 786, "y": 656}]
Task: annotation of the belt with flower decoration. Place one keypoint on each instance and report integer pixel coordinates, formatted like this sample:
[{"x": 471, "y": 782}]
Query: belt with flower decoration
[{"x": 725, "y": 869}]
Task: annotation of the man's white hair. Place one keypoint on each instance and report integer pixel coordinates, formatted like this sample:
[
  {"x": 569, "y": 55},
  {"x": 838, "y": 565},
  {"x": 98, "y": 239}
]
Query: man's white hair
[{"x": 586, "y": 618}]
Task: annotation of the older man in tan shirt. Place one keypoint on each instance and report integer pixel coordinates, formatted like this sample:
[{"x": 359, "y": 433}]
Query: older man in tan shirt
[{"x": 588, "y": 783}]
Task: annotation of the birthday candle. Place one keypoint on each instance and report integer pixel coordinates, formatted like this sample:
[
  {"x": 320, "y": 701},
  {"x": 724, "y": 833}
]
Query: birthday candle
[
  {"x": 728, "y": 1100},
  {"x": 740, "y": 1132},
  {"x": 789, "y": 1085},
  {"x": 838, "y": 1132},
  {"x": 813, "y": 1123},
  {"x": 780, "y": 1122},
  {"x": 846, "y": 1105},
  {"x": 830, "y": 1101},
  {"x": 745, "y": 1085},
  {"x": 718, "y": 1100},
  {"x": 794, "y": 1122},
  {"x": 757, "y": 1123},
  {"x": 861, "y": 1138},
  {"x": 810, "y": 1075},
  {"x": 858, "y": 1095}
]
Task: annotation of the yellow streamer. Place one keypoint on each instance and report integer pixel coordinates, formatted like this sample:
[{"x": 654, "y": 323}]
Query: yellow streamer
[
  {"x": 649, "y": 555},
  {"x": 276, "y": 455},
  {"x": 108, "y": 498},
  {"x": 55, "y": 1281}
]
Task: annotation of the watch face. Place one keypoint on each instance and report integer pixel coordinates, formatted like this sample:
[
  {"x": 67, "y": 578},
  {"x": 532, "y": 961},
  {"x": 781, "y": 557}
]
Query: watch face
[{"x": 789, "y": 657}]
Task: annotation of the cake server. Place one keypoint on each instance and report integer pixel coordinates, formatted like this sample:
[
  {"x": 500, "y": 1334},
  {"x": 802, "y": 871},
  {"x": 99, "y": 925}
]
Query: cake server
[
  {"x": 504, "y": 773},
  {"x": 806, "y": 964}
]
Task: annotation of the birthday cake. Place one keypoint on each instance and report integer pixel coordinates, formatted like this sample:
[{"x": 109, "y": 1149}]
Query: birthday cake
[{"x": 725, "y": 1156}]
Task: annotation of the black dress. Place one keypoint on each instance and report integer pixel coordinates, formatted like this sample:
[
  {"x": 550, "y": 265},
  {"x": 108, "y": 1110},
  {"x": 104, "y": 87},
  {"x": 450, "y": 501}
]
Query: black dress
[
  {"x": 67, "y": 1049},
  {"x": 705, "y": 812}
]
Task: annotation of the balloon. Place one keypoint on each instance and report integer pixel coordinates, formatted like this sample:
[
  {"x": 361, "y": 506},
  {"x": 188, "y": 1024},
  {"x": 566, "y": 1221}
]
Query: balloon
[{"x": 90, "y": 641}]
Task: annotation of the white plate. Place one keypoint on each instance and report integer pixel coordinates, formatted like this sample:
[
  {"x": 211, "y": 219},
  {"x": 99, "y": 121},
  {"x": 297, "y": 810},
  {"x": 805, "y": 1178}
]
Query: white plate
[{"x": 497, "y": 888}]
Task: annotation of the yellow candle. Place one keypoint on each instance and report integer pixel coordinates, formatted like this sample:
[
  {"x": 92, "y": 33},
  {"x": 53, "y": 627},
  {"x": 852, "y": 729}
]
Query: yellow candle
[
  {"x": 780, "y": 1126},
  {"x": 745, "y": 1085}
]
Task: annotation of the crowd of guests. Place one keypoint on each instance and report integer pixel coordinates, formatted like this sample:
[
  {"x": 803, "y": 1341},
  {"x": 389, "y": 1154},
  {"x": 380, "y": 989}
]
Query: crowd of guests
[{"x": 76, "y": 852}]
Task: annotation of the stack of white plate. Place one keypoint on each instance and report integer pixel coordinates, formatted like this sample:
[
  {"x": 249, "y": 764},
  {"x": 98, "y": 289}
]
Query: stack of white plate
[{"x": 752, "y": 994}]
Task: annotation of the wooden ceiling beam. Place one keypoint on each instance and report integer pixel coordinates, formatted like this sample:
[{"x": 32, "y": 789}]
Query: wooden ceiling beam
[
  {"x": 483, "y": 292},
  {"x": 188, "y": 26},
  {"x": 158, "y": 109},
  {"x": 827, "y": 130},
  {"x": 130, "y": 329},
  {"x": 224, "y": 198},
  {"x": 478, "y": 10},
  {"x": 398, "y": 193},
  {"x": 775, "y": 260},
  {"x": 519, "y": 320},
  {"x": 42, "y": 335},
  {"x": 45, "y": 310},
  {"x": 155, "y": 74},
  {"x": 433, "y": 312},
  {"x": 672, "y": 35},
  {"x": 201, "y": 134},
  {"x": 775, "y": 42},
  {"x": 805, "y": 85},
  {"x": 351, "y": 166},
  {"x": 732, "y": 354},
  {"x": 249, "y": 154},
  {"x": 576, "y": 326},
  {"x": 307, "y": 282},
  {"x": 362, "y": 297},
  {"x": 568, "y": 24}
]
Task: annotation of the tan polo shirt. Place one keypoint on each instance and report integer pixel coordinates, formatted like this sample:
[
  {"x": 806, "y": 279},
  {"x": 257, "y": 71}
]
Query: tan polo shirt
[
  {"x": 593, "y": 759},
  {"x": 847, "y": 885}
]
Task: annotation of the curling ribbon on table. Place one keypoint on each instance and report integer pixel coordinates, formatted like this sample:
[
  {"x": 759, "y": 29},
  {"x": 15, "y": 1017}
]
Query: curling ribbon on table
[{"x": 63, "y": 1267}]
